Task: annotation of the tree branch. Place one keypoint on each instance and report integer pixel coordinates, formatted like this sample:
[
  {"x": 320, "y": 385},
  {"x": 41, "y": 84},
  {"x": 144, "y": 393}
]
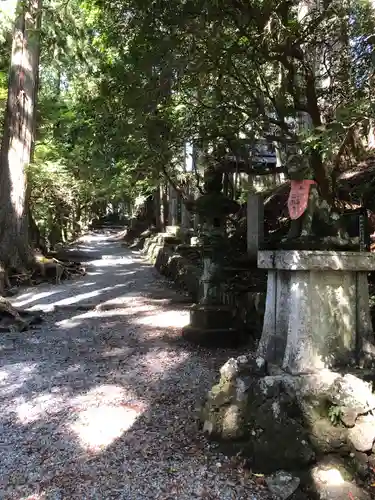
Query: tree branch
[{"x": 173, "y": 184}]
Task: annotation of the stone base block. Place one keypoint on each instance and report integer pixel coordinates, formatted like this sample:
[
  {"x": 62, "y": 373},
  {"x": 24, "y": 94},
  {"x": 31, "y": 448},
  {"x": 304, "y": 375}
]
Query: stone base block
[
  {"x": 212, "y": 317},
  {"x": 212, "y": 337},
  {"x": 212, "y": 326},
  {"x": 317, "y": 310}
]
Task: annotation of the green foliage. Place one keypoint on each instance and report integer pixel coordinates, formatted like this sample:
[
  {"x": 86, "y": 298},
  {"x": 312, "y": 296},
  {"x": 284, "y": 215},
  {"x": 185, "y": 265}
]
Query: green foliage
[
  {"x": 73, "y": 175},
  {"x": 334, "y": 415},
  {"x": 5, "y": 47},
  {"x": 211, "y": 72},
  {"x": 125, "y": 84}
]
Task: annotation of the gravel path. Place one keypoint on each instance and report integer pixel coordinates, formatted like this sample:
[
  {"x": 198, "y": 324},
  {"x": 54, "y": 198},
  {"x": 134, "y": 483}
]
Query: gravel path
[{"x": 100, "y": 403}]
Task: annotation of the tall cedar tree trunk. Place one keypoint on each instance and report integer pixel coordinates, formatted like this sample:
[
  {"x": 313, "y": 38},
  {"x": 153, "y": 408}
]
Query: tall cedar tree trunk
[{"x": 18, "y": 138}]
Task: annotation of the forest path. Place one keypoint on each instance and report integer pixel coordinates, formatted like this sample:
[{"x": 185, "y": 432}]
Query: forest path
[{"x": 99, "y": 401}]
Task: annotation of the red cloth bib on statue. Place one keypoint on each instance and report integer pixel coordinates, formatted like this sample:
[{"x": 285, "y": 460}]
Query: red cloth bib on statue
[{"x": 298, "y": 197}]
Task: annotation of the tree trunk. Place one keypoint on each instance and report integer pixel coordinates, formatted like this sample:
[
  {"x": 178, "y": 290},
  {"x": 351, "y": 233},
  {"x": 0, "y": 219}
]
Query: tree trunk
[
  {"x": 77, "y": 216},
  {"x": 18, "y": 137},
  {"x": 35, "y": 236}
]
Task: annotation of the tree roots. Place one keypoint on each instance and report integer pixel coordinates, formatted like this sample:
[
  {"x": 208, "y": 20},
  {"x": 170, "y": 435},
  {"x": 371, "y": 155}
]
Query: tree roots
[
  {"x": 44, "y": 269},
  {"x": 12, "y": 319}
]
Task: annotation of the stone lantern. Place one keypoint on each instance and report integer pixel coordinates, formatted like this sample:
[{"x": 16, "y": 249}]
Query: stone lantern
[{"x": 212, "y": 322}]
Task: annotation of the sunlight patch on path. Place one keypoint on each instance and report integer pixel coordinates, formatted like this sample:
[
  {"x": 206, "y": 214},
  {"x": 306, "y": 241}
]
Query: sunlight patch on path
[
  {"x": 35, "y": 496},
  {"x": 82, "y": 296},
  {"x": 111, "y": 261},
  {"x": 127, "y": 306},
  {"x": 103, "y": 415},
  {"x": 161, "y": 361},
  {"x": 97, "y": 428},
  {"x": 167, "y": 319},
  {"x": 24, "y": 299}
]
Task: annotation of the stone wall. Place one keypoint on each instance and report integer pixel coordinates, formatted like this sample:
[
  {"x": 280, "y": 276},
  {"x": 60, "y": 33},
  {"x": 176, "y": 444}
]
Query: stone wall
[{"x": 161, "y": 251}]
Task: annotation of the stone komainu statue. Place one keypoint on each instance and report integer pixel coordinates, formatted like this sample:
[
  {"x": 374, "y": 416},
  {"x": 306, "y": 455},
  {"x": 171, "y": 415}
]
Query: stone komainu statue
[{"x": 315, "y": 224}]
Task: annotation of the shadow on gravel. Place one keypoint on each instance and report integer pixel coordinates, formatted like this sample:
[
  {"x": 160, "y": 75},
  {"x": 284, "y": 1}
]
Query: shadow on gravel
[
  {"x": 101, "y": 403},
  {"x": 93, "y": 287},
  {"x": 108, "y": 406}
]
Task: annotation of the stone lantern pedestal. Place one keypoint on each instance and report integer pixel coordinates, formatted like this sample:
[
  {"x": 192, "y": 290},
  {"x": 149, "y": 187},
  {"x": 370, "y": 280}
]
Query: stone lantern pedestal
[
  {"x": 317, "y": 310},
  {"x": 212, "y": 323}
]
